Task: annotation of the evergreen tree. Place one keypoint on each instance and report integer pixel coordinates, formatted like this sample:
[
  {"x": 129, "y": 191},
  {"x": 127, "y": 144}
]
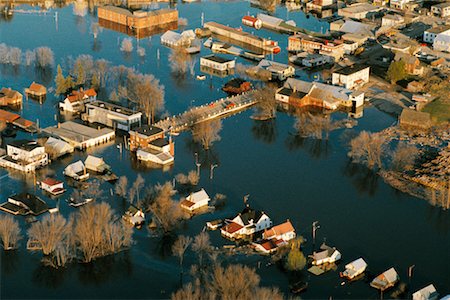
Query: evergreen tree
[
  {"x": 60, "y": 82},
  {"x": 69, "y": 83},
  {"x": 396, "y": 71}
]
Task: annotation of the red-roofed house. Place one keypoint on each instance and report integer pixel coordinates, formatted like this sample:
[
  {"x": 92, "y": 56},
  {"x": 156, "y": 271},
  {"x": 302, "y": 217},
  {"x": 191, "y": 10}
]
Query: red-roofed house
[
  {"x": 283, "y": 231},
  {"x": 53, "y": 186},
  {"x": 10, "y": 97},
  {"x": 74, "y": 102},
  {"x": 36, "y": 90},
  {"x": 276, "y": 237}
]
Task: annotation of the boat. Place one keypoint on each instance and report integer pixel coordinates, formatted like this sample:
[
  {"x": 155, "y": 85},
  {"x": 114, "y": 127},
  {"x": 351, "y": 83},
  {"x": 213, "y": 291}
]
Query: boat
[
  {"x": 201, "y": 77},
  {"x": 299, "y": 287},
  {"x": 253, "y": 56},
  {"x": 354, "y": 269},
  {"x": 76, "y": 203}
]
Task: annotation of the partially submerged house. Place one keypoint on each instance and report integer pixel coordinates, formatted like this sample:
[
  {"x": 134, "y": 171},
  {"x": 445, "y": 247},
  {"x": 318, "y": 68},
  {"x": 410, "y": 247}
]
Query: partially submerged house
[
  {"x": 327, "y": 255},
  {"x": 427, "y": 293},
  {"x": 195, "y": 201},
  {"x": 277, "y": 70},
  {"x": 302, "y": 93},
  {"x": 52, "y": 186},
  {"x": 9, "y": 96},
  {"x": 57, "y": 148},
  {"x": 80, "y": 136},
  {"x": 24, "y": 155},
  {"x": 24, "y": 204},
  {"x": 75, "y": 101},
  {"x": 134, "y": 216},
  {"x": 174, "y": 39},
  {"x": 36, "y": 91},
  {"x": 385, "y": 280},
  {"x": 112, "y": 115},
  {"x": 15, "y": 119},
  {"x": 237, "y": 86},
  {"x": 351, "y": 77},
  {"x": 218, "y": 63},
  {"x": 77, "y": 171},
  {"x": 246, "y": 224},
  {"x": 151, "y": 145},
  {"x": 96, "y": 164},
  {"x": 275, "y": 237},
  {"x": 353, "y": 269}
]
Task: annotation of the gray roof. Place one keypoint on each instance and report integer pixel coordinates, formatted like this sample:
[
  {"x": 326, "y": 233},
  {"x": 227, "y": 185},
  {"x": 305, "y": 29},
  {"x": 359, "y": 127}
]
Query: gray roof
[
  {"x": 351, "y": 69},
  {"x": 357, "y": 27},
  {"x": 27, "y": 145},
  {"x": 34, "y": 204}
]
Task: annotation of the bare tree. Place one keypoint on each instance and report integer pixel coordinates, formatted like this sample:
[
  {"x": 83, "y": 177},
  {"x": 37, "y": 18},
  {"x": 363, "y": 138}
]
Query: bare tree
[
  {"x": 191, "y": 178},
  {"x": 266, "y": 105},
  {"x": 404, "y": 157},
  {"x": 127, "y": 45},
  {"x": 97, "y": 233},
  {"x": 9, "y": 232},
  {"x": 179, "y": 248},
  {"x": 146, "y": 92},
  {"x": 121, "y": 186},
  {"x": 136, "y": 188},
  {"x": 167, "y": 213},
  {"x": 83, "y": 68},
  {"x": 207, "y": 133},
  {"x": 49, "y": 232},
  {"x": 15, "y": 56},
  {"x": 30, "y": 58},
  {"x": 368, "y": 148},
  {"x": 201, "y": 246},
  {"x": 44, "y": 57}
]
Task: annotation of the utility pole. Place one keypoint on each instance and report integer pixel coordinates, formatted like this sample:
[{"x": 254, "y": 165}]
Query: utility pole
[{"x": 315, "y": 226}]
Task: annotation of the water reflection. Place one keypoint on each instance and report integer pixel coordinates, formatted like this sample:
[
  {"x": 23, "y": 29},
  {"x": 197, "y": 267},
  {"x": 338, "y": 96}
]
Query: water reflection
[
  {"x": 49, "y": 277},
  {"x": 105, "y": 268},
  {"x": 364, "y": 179},
  {"x": 9, "y": 261},
  {"x": 316, "y": 148},
  {"x": 265, "y": 131}
]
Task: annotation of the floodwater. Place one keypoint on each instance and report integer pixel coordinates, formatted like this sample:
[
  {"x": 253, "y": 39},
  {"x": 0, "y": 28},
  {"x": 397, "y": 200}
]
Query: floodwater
[{"x": 288, "y": 178}]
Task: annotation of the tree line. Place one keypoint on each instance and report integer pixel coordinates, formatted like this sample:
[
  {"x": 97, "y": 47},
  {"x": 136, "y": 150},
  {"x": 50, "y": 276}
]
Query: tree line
[{"x": 41, "y": 57}]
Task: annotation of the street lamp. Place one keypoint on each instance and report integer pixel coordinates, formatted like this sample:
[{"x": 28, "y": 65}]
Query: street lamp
[
  {"x": 212, "y": 171},
  {"x": 315, "y": 226},
  {"x": 197, "y": 163}
]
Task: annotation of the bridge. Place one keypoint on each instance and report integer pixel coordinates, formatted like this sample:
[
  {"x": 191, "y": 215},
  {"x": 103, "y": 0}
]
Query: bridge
[{"x": 207, "y": 112}]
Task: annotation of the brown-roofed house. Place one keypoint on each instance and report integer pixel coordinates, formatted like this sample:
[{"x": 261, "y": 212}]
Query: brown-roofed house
[
  {"x": 415, "y": 119},
  {"x": 36, "y": 90},
  {"x": 10, "y": 97},
  {"x": 8, "y": 117}
]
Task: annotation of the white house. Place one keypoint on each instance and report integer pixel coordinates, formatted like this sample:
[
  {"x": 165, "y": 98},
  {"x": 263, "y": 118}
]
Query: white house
[
  {"x": 217, "y": 62},
  {"x": 77, "y": 171},
  {"x": 427, "y": 293},
  {"x": 351, "y": 77},
  {"x": 430, "y": 34},
  {"x": 328, "y": 255},
  {"x": 74, "y": 102},
  {"x": 358, "y": 10},
  {"x": 398, "y": 4},
  {"x": 277, "y": 70},
  {"x": 134, "y": 216},
  {"x": 195, "y": 201},
  {"x": 354, "y": 269},
  {"x": 175, "y": 39},
  {"x": 442, "y": 42},
  {"x": 24, "y": 155},
  {"x": 441, "y": 10},
  {"x": 392, "y": 20},
  {"x": 112, "y": 115},
  {"x": 245, "y": 224},
  {"x": 53, "y": 186},
  {"x": 96, "y": 164},
  {"x": 57, "y": 148},
  {"x": 385, "y": 280}
]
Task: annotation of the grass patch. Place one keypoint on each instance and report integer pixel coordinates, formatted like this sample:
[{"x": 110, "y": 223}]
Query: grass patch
[{"x": 439, "y": 110}]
